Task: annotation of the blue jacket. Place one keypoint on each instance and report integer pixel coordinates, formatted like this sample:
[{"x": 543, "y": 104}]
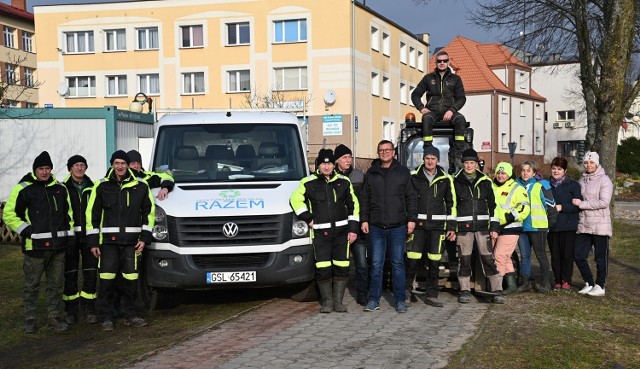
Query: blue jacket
[
  {"x": 568, "y": 216},
  {"x": 545, "y": 193}
]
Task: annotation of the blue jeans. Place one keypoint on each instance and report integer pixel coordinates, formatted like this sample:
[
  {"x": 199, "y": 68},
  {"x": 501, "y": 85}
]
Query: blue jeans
[
  {"x": 537, "y": 241},
  {"x": 383, "y": 241}
]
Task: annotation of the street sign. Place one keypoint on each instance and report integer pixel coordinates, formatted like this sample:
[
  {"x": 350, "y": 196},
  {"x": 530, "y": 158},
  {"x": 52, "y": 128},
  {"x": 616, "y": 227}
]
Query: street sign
[
  {"x": 355, "y": 124},
  {"x": 48, "y": 106}
]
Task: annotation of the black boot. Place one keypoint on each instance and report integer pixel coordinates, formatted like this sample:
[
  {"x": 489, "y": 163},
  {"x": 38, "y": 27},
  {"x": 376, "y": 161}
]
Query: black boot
[
  {"x": 526, "y": 284},
  {"x": 510, "y": 281},
  {"x": 455, "y": 155},
  {"x": 339, "y": 285},
  {"x": 326, "y": 300}
]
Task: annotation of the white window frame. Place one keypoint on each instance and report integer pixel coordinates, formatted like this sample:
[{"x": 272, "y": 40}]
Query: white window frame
[
  {"x": 282, "y": 23},
  {"x": 147, "y": 34},
  {"x": 388, "y": 131},
  {"x": 403, "y": 52},
  {"x": 420, "y": 61},
  {"x": 565, "y": 115},
  {"x": 411, "y": 88},
  {"x": 88, "y": 45},
  {"x": 412, "y": 56},
  {"x": 386, "y": 44},
  {"x": 91, "y": 88},
  {"x": 386, "y": 87},
  {"x": 193, "y": 79},
  {"x": 190, "y": 40},
  {"x": 145, "y": 85},
  {"x": 523, "y": 109},
  {"x": 522, "y": 80},
  {"x": 119, "y": 37},
  {"x": 375, "y": 83},
  {"x": 117, "y": 81},
  {"x": 27, "y": 41},
  {"x": 505, "y": 105},
  {"x": 28, "y": 80},
  {"x": 279, "y": 82},
  {"x": 403, "y": 93},
  {"x": 375, "y": 38},
  {"x": 9, "y": 34},
  {"x": 10, "y": 74},
  {"x": 238, "y": 78},
  {"x": 503, "y": 141},
  {"x": 238, "y": 26}
]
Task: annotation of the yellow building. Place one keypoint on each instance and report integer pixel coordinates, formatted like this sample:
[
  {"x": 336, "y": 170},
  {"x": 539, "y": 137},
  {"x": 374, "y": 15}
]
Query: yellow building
[
  {"x": 18, "y": 79},
  {"x": 336, "y": 58}
]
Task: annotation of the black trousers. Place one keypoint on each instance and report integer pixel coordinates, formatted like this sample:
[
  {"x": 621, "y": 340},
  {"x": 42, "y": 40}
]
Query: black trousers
[
  {"x": 600, "y": 245},
  {"x": 114, "y": 260},
  {"x": 331, "y": 249},
  {"x": 562, "y": 245},
  {"x": 72, "y": 296},
  {"x": 425, "y": 247}
]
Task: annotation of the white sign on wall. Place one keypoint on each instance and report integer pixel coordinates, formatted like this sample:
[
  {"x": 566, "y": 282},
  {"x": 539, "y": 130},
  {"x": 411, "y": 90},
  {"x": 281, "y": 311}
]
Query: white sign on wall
[{"x": 332, "y": 125}]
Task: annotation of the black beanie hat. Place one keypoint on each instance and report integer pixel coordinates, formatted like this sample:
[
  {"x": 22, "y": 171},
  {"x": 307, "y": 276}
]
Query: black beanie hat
[
  {"x": 120, "y": 155},
  {"x": 76, "y": 159},
  {"x": 42, "y": 160},
  {"x": 431, "y": 150},
  {"x": 324, "y": 156},
  {"x": 470, "y": 155},
  {"x": 134, "y": 156},
  {"x": 340, "y": 151}
]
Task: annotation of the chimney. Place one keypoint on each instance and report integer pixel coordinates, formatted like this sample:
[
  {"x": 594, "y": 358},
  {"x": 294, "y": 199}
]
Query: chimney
[{"x": 20, "y": 4}]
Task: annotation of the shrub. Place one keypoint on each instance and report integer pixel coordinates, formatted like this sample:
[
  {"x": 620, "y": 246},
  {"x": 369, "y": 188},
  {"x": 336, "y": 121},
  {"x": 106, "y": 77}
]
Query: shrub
[{"x": 627, "y": 157}]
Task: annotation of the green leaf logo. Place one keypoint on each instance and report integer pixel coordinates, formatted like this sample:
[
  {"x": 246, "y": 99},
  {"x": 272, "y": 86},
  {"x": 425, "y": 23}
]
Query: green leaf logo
[{"x": 229, "y": 194}]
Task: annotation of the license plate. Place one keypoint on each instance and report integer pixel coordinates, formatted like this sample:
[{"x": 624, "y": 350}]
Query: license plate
[{"x": 231, "y": 277}]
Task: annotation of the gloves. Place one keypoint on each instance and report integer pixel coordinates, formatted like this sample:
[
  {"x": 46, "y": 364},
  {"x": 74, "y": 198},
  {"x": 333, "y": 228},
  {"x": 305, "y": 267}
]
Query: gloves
[
  {"x": 26, "y": 233},
  {"x": 510, "y": 218}
]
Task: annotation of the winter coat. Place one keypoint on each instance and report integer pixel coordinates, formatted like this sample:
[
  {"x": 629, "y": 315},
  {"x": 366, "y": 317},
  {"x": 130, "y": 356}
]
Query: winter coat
[
  {"x": 436, "y": 200},
  {"x": 443, "y": 92},
  {"x": 79, "y": 205},
  {"x": 595, "y": 217},
  {"x": 475, "y": 203},
  {"x": 563, "y": 194},
  {"x": 542, "y": 204},
  {"x": 512, "y": 205},
  {"x": 388, "y": 200}
]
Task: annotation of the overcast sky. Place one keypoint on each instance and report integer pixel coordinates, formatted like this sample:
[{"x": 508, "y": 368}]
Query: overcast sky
[{"x": 441, "y": 19}]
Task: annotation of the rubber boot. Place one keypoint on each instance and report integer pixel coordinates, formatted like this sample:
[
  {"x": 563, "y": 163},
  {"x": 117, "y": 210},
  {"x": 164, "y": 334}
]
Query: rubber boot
[
  {"x": 544, "y": 286},
  {"x": 455, "y": 155},
  {"x": 326, "y": 300},
  {"x": 512, "y": 286},
  {"x": 526, "y": 284},
  {"x": 339, "y": 285}
]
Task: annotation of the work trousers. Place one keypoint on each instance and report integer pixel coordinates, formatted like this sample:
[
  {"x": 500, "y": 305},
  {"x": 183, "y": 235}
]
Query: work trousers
[
  {"x": 52, "y": 265},
  {"x": 502, "y": 251},
  {"x": 562, "y": 246},
  {"x": 72, "y": 296},
  {"x": 331, "y": 250},
  {"x": 465, "y": 242},
  {"x": 116, "y": 259},
  {"x": 425, "y": 247}
]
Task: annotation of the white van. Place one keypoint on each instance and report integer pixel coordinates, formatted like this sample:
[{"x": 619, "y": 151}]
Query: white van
[{"x": 228, "y": 222}]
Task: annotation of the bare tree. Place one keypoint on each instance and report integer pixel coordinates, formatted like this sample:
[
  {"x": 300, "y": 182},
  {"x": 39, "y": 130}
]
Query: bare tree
[
  {"x": 19, "y": 81},
  {"x": 603, "y": 33},
  {"x": 259, "y": 99}
]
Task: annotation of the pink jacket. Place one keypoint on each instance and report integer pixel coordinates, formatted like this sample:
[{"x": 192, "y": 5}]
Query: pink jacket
[{"x": 595, "y": 217}]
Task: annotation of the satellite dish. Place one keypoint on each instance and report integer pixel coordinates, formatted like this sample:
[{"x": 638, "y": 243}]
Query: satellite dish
[
  {"x": 330, "y": 97},
  {"x": 63, "y": 89}
]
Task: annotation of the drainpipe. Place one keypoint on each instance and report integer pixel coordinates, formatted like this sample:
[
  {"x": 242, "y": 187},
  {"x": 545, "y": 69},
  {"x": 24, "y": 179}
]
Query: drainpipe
[
  {"x": 353, "y": 81},
  {"x": 493, "y": 133}
]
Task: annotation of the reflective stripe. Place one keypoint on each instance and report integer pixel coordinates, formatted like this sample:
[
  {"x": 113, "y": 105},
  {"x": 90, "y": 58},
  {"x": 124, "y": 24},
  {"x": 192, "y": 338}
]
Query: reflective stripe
[
  {"x": 414, "y": 255},
  {"x": 483, "y": 217},
  {"x": 451, "y": 217},
  {"x": 458, "y": 138},
  {"x": 354, "y": 218},
  {"x": 107, "y": 275},
  {"x": 323, "y": 264},
  {"x": 130, "y": 276},
  {"x": 39, "y": 236},
  {"x": 439, "y": 217},
  {"x": 435, "y": 257},
  {"x": 117, "y": 230},
  {"x": 110, "y": 230},
  {"x": 146, "y": 228},
  {"x": 22, "y": 227},
  {"x": 77, "y": 229},
  {"x": 328, "y": 225},
  {"x": 341, "y": 263},
  {"x": 513, "y": 225},
  {"x": 427, "y": 138},
  {"x": 301, "y": 210},
  {"x": 537, "y": 207},
  {"x": 495, "y": 219},
  {"x": 92, "y": 231},
  {"x": 88, "y": 296},
  {"x": 133, "y": 229},
  {"x": 70, "y": 297},
  {"x": 539, "y": 218},
  {"x": 422, "y": 216},
  {"x": 464, "y": 219}
]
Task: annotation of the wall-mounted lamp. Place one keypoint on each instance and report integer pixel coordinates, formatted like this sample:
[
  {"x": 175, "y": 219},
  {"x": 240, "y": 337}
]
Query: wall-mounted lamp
[{"x": 138, "y": 101}]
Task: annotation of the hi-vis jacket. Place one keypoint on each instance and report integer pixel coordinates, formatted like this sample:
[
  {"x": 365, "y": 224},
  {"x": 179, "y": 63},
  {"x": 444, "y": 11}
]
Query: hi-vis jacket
[
  {"x": 542, "y": 201},
  {"x": 512, "y": 206},
  {"x": 475, "y": 203},
  {"x": 155, "y": 179},
  {"x": 330, "y": 204},
  {"x": 121, "y": 213},
  {"x": 41, "y": 213},
  {"x": 79, "y": 205},
  {"x": 436, "y": 200}
]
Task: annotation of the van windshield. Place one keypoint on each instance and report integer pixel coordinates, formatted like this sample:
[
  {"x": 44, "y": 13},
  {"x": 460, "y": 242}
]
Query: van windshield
[
  {"x": 415, "y": 152},
  {"x": 230, "y": 152}
]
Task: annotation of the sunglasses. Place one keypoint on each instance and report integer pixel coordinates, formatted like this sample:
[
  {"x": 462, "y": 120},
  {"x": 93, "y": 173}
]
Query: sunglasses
[{"x": 442, "y": 61}]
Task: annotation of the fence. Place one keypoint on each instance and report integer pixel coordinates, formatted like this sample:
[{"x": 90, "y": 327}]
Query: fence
[{"x": 6, "y": 235}]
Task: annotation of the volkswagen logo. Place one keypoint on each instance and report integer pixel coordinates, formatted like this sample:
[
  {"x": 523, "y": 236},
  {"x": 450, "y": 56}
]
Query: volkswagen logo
[{"x": 230, "y": 230}]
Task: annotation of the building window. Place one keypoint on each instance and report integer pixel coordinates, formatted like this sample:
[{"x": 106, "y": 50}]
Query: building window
[
  {"x": 503, "y": 141},
  {"x": 386, "y": 89},
  {"x": 115, "y": 40},
  {"x": 403, "y": 93},
  {"x": 149, "y": 84},
  {"x": 9, "y": 37},
  {"x": 27, "y": 41},
  {"x": 79, "y": 42},
  {"x": 238, "y": 33},
  {"x": 538, "y": 112},
  {"x": 13, "y": 104},
  {"x": 412, "y": 57},
  {"x": 10, "y": 74},
  {"x": 375, "y": 39},
  {"x": 147, "y": 38},
  {"x": 565, "y": 115},
  {"x": 82, "y": 86},
  {"x": 523, "y": 112},
  {"x": 375, "y": 84},
  {"x": 505, "y": 105},
  {"x": 571, "y": 149},
  {"x": 386, "y": 44},
  {"x": 411, "y": 88},
  {"x": 294, "y": 30},
  {"x": 193, "y": 83},
  {"x": 521, "y": 143},
  {"x": 28, "y": 77},
  {"x": 522, "y": 80},
  {"x": 30, "y": 105},
  {"x": 238, "y": 81},
  {"x": 117, "y": 85},
  {"x": 388, "y": 131},
  {"x": 192, "y": 36},
  {"x": 420, "y": 61},
  {"x": 403, "y": 53},
  {"x": 290, "y": 78},
  {"x": 538, "y": 144}
]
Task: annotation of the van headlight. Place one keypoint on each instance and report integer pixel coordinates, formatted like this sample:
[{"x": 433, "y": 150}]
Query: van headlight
[
  {"x": 160, "y": 230},
  {"x": 299, "y": 229}
]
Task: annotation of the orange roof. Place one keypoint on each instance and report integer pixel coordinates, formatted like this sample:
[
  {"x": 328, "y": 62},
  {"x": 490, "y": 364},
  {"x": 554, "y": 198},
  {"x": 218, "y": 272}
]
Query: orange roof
[{"x": 474, "y": 63}]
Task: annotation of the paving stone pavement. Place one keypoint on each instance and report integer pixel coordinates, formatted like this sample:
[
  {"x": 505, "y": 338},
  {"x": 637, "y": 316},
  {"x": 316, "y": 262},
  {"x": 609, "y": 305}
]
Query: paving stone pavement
[{"x": 287, "y": 334}]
